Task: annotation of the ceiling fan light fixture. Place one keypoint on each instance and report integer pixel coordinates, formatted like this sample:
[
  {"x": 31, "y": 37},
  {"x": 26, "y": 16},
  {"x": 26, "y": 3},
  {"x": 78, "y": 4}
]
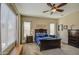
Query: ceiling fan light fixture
[{"x": 54, "y": 10}]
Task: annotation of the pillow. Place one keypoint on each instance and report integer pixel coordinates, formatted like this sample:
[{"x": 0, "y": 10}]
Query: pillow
[
  {"x": 39, "y": 34},
  {"x": 46, "y": 35}
]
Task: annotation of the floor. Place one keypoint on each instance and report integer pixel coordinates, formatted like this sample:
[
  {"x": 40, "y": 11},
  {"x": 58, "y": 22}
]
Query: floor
[{"x": 33, "y": 49}]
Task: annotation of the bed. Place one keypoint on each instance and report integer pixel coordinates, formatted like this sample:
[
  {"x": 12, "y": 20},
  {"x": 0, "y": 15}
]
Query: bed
[{"x": 46, "y": 41}]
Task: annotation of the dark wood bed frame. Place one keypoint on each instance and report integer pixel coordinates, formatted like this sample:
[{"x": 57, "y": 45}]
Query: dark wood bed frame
[
  {"x": 40, "y": 31},
  {"x": 47, "y": 44}
]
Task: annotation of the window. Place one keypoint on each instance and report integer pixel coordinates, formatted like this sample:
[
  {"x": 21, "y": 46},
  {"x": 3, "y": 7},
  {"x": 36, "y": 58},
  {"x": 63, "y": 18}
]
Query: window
[
  {"x": 52, "y": 29},
  {"x": 27, "y": 28},
  {"x": 8, "y": 26}
]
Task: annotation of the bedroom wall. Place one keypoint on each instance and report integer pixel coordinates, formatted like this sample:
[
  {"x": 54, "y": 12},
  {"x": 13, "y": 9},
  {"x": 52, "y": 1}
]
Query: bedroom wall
[
  {"x": 71, "y": 19},
  {"x": 38, "y": 22}
]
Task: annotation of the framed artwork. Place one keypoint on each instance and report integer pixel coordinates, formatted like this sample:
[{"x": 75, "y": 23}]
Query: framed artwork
[
  {"x": 65, "y": 26},
  {"x": 60, "y": 27}
]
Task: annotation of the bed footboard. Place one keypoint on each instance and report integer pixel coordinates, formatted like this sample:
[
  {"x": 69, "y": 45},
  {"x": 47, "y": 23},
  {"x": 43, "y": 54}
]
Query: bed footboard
[{"x": 50, "y": 44}]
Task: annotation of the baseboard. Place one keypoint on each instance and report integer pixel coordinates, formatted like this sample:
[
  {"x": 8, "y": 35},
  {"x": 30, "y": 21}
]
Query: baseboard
[{"x": 64, "y": 43}]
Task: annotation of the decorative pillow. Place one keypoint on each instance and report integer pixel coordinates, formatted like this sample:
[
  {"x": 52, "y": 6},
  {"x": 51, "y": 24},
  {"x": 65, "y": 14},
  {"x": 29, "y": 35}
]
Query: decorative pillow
[
  {"x": 46, "y": 35},
  {"x": 41, "y": 34},
  {"x": 54, "y": 36}
]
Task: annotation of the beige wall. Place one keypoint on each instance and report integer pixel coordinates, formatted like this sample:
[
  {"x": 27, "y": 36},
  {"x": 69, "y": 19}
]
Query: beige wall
[
  {"x": 37, "y": 22},
  {"x": 71, "y": 19}
]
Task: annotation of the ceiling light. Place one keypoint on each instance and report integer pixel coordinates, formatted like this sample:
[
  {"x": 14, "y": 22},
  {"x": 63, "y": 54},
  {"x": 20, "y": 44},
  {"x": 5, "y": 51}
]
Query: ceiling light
[{"x": 54, "y": 10}]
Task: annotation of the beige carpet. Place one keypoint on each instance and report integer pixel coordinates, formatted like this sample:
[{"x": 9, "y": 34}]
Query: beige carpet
[{"x": 33, "y": 49}]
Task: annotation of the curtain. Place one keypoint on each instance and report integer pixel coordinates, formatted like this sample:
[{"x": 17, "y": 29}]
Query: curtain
[{"x": 8, "y": 26}]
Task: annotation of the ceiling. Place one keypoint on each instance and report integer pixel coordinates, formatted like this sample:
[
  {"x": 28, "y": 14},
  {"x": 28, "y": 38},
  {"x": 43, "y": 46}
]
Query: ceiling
[{"x": 36, "y": 9}]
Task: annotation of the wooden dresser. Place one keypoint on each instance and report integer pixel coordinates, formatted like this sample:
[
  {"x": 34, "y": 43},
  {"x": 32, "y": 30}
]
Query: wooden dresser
[{"x": 73, "y": 37}]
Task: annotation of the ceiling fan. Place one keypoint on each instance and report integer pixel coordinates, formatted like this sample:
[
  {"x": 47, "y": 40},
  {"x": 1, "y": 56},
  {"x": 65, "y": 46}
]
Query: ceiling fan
[{"x": 55, "y": 8}]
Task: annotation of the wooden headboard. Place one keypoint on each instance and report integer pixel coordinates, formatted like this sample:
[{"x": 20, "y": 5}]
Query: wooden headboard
[{"x": 40, "y": 30}]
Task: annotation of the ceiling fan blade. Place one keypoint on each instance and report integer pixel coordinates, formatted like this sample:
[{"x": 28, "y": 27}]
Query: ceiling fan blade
[
  {"x": 59, "y": 10},
  {"x": 62, "y": 4},
  {"x": 45, "y": 11},
  {"x": 53, "y": 5},
  {"x": 49, "y": 4}
]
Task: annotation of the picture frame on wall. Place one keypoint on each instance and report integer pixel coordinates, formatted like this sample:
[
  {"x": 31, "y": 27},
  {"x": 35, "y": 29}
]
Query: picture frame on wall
[
  {"x": 65, "y": 26},
  {"x": 60, "y": 27}
]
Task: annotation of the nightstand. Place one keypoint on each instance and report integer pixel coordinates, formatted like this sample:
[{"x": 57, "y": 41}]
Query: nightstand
[{"x": 29, "y": 39}]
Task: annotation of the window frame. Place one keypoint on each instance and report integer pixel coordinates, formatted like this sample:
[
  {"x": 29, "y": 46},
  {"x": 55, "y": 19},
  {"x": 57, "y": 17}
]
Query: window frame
[
  {"x": 15, "y": 27},
  {"x": 30, "y": 27},
  {"x": 54, "y": 28}
]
